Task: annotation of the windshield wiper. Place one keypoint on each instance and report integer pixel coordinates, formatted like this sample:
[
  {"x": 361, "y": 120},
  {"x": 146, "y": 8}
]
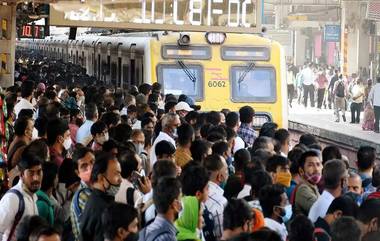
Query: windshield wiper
[
  {"x": 249, "y": 68},
  {"x": 187, "y": 71}
]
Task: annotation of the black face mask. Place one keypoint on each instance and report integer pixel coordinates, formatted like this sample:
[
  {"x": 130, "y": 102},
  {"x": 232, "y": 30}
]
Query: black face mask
[{"x": 132, "y": 237}]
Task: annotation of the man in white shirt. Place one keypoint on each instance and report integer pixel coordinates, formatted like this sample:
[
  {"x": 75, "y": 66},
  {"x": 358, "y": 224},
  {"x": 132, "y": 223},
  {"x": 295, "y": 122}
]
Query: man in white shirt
[
  {"x": 374, "y": 98},
  {"x": 170, "y": 122},
  {"x": 308, "y": 84},
  {"x": 11, "y": 204},
  {"x": 232, "y": 121},
  {"x": 274, "y": 202},
  {"x": 216, "y": 165},
  {"x": 84, "y": 132},
  {"x": 27, "y": 89},
  {"x": 335, "y": 178}
]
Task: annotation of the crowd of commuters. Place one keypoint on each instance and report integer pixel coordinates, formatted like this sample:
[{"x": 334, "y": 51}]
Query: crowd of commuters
[
  {"x": 92, "y": 163},
  {"x": 328, "y": 88}
]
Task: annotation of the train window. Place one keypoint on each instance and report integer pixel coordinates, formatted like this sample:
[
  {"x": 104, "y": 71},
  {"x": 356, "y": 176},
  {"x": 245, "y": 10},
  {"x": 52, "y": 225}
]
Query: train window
[
  {"x": 125, "y": 76},
  {"x": 180, "y": 79},
  {"x": 189, "y": 52},
  {"x": 256, "y": 85},
  {"x": 113, "y": 72},
  {"x": 245, "y": 53}
]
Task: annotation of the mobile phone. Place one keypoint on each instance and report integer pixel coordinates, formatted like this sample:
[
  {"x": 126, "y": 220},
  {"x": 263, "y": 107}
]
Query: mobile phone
[{"x": 135, "y": 177}]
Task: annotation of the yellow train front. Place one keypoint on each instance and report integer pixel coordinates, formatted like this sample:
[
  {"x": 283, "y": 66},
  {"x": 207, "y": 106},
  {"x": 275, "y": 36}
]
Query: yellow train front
[
  {"x": 217, "y": 70},
  {"x": 223, "y": 71}
]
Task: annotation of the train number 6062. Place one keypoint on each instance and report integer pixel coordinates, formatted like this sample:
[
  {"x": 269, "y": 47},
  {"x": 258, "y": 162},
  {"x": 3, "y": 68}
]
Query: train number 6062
[{"x": 216, "y": 84}]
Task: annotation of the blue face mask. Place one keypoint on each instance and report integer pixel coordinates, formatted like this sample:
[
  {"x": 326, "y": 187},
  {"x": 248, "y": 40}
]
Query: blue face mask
[
  {"x": 222, "y": 185},
  {"x": 286, "y": 213}
]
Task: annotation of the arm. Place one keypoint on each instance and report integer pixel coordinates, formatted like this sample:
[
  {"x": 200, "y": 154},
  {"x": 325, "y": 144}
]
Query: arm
[{"x": 8, "y": 209}]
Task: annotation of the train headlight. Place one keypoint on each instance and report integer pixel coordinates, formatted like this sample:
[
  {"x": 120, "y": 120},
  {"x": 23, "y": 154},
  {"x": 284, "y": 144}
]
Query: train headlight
[
  {"x": 216, "y": 38},
  {"x": 184, "y": 40}
]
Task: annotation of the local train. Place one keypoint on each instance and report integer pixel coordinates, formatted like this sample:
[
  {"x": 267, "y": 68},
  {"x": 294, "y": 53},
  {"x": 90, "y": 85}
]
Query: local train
[{"x": 218, "y": 70}]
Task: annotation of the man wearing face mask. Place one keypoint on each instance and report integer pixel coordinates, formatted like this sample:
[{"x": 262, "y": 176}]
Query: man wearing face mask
[
  {"x": 170, "y": 122},
  {"x": 306, "y": 193},
  {"x": 216, "y": 165},
  {"x": 30, "y": 167},
  {"x": 335, "y": 177},
  {"x": 278, "y": 168},
  {"x": 59, "y": 140},
  {"x": 100, "y": 135},
  {"x": 76, "y": 120},
  {"x": 167, "y": 200},
  {"x": 106, "y": 179},
  {"x": 120, "y": 222},
  {"x": 83, "y": 159},
  {"x": 273, "y": 201},
  {"x": 138, "y": 140}
]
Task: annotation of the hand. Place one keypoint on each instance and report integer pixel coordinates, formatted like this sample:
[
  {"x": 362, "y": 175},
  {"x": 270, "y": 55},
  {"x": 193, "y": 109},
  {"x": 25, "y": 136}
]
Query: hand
[
  {"x": 179, "y": 170},
  {"x": 145, "y": 185}
]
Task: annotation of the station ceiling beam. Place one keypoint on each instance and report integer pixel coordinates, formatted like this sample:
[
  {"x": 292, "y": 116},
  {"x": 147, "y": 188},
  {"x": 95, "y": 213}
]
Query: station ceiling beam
[{"x": 304, "y": 2}]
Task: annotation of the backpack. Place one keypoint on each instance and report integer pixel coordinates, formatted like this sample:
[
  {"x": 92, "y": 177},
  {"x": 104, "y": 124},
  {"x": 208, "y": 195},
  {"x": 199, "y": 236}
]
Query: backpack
[
  {"x": 321, "y": 231},
  {"x": 20, "y": 212},
  {"x": 340, "y": 89},
  {"x": 209, "y": 224},
  {"x": 151, "y": 236}
]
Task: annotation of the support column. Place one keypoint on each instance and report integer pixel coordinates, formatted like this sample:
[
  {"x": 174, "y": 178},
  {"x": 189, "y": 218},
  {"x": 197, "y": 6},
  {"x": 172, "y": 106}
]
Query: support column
[
  {"x": 7, "y": 44},
  {"x": 299, "y": 48},
  {"x": 355, "y": 38}
]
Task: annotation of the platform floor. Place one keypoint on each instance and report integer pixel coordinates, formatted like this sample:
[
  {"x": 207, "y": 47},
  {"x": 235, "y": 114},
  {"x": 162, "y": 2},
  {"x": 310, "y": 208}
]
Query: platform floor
[{"x": 325, "y": 119}]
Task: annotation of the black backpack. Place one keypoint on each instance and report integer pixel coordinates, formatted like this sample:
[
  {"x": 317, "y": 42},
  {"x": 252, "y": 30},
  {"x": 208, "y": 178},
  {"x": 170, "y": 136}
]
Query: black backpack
[
  {"x": 340, "y": 89},
  {"x": 209, "y": 224}
]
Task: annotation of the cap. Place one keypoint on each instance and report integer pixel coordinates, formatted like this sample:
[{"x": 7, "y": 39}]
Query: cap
[{"x": 183, "y": 106}]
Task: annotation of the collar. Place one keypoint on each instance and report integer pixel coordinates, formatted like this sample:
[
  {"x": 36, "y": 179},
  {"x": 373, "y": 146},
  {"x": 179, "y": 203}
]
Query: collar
[
  {"x": 167, "y": 223},
  {"x": 327, "y": 195},
  {"x": 246, "y": 125},
  {"x": 215, "y": 187},
  {"x": 274, "y": 224}
]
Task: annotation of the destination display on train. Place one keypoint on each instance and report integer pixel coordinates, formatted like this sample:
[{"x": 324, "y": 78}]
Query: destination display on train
[{"x": 179, "y": 15}]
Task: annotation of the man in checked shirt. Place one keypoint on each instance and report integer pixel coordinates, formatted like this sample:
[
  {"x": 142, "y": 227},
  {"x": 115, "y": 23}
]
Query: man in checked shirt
[{"x": 246, "y": 131}]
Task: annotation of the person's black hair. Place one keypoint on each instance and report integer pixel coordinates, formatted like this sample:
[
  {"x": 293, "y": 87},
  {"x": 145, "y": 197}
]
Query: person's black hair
[
  {"x": 246, "y": 114},
  {"x": 345, "y": 204},
  {"x": 91, "y": 111},
  {"x": 169, "y": 105},
  {"x": 261, "y": 142},
  {"x": 333, "y": 173},
  {"x": 345, "y": 229},
  {"x": 156, "y": 87},
  {"x": 164, "y": 148},
  {"x": 161, "y": 169},
  {"x": 213, "y": 163},
  {"x": 265, "y": 234},
  {"x": 194, "y": 178},
  {"x": 269, "y": 197},
  {"x": 43, "y": 231},
  {"x": 308, "y": 139},
  {"x": 52, "y": 110},
  {"x": 25, "y": 113},
  {"x": 301, "y": 229},
  {"x": 41, "y": 124},
  {"x": 213, "y": 117},
  {"x": 276, "y": 161},
  {"x": 128, "y": 163},
  {"x": 205, "y": 129},
  {"x": 366, "y": 157},
  {"x": 38, "y": 148},
  {"x": 220, "y": 148},
  {"x": 115, "y": 216},
  {"x": 192, "y": 115},
  {"x": 282, "y": 136},
  {"x": 80, "y": 151},
  {"x": 98, "y": 128},
  {"x": 110, "y": 119},
  {"x": 268, "y": 129},
  {"x": 294, "y": 156},
  {"x": 145, "y": 121},
  {"x": 63, "y": 111},
  {"x": 369, "y": 210},
  {"x": 199, "y": 149},
  {"x": 315, "y": 146},
  {"x": 27, "y": 88},
  {"x": 241, "y": 158},
  {"x": 100, "y": 165},
  {"x": 376, "y": 176},
  {"x": 153, "y": 98},
  {"x": 20, "y": 126},
  {"x": 27, "y": 226},
  {"x": 185, "y": 134},
  {"x": 56, "y": 127},
  {"x": 260, "y": 156},
  {"x": 67, "y": 174},
  {"x": 50, "y": 171},
  {"x": 233, "y": 187},
  {"x": 304, "y": 156},
  {"x": 231, "y": 134},
  {"x": 236, "y": 214},
  {"x": 122, "y": 133},
  {"x": 330, "y": 152},
  {"x": 232, "y": 119},
  {"x": 145, "y": 88},
  {"x": 215, "y": 137},
  {"x": 28, "y": 160},
  {"x": 165, "y": 192},
  {"x": 257, "y": 180}
]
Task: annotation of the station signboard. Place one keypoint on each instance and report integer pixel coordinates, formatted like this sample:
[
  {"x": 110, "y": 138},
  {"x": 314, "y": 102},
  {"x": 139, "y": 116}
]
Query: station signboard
[
  {"x": 178, "y": 15},
  {"x": 332, "y": 33}
]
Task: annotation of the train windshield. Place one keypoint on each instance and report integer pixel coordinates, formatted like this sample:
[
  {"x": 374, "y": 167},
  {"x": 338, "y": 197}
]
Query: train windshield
[
  {"x": 180, "y": 79},
  {"x": 256, "y": 85}
]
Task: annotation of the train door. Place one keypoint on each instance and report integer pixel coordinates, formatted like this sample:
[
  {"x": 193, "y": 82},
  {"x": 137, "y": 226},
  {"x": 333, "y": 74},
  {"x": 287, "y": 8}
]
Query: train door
[
  {"x": 132, "y": 66},
  {"x": 119, "y": 81}
]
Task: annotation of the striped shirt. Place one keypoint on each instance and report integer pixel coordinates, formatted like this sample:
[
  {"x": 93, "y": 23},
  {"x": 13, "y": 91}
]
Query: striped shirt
[
  {"x": 216, "y": 203},
  {"x": 168, "y": 233},
  {"x": 84, "y": 194}
]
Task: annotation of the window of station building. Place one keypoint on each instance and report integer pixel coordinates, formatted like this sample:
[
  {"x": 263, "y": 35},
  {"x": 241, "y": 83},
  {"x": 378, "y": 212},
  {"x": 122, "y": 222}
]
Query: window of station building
[
  {"x": 188, "y": 52},
  {"x": 257, "y": 85},
  {"x": 177, "y": 79},
  {"x": 253, "y": 53},
  {"x": 113, "y": 71}
]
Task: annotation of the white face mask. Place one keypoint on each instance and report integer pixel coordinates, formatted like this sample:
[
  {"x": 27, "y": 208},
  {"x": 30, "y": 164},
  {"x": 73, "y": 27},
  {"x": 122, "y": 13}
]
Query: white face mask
[
  {"x": 139, "y": 148},
  {"x": 67, "y": 143},
  {"x": 34, "y": 134}
]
